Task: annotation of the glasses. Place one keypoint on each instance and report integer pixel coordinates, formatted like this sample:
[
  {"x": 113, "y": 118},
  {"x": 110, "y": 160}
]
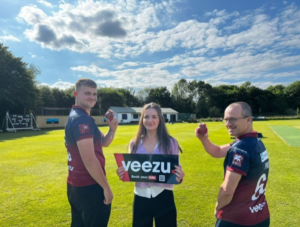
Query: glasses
[{"x": 232, "y": 120}]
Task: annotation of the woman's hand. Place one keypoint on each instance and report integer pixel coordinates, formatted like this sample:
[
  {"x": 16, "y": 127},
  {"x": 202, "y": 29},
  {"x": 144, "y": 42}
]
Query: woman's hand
[
  {"x": 121, "y": 172},
  {"x": 179, "y": 174}
]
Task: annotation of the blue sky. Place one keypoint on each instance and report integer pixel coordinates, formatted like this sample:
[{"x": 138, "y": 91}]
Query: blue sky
[{"x": 138, "y": 44}]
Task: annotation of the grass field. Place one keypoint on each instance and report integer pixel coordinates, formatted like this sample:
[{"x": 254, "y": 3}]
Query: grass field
[
  {"x": 33, "y": 171},
  {"x": 290, "y": 135}
]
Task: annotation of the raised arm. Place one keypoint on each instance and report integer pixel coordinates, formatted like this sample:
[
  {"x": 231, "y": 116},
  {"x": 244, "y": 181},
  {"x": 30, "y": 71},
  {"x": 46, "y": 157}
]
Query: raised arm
[
  {"x": 109, "y": 136},
  {"x": 212, "y": 149}
]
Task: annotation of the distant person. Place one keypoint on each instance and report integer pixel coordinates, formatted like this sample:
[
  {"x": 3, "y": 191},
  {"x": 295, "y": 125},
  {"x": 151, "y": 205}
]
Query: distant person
[
  {"x": 88, "y": 191},
  {"x": 153, "y": 200},
  {"x": 241, "y": 200}
]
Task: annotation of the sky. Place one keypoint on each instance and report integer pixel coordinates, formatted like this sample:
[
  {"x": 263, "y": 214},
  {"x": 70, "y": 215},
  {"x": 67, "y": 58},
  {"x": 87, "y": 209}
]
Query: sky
[{"x": 154, "y": 43}]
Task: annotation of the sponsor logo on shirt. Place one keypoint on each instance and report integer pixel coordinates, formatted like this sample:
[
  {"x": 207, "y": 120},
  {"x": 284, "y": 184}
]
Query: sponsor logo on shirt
[
  {"x": 84, "y": 128},
  {"x": 239, "y": 150},
  {"x": 267, "y": 165},
  {"x": 257, "y": 208},
  {"x": 264, "y": 156},
  {"x": 238, "y": 160},
  {"x": 69, "y": 157}
]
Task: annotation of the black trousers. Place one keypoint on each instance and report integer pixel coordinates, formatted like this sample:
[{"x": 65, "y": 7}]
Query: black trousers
[
  {"x": 162, "y": 208},
  {"x": 87, "y": 207},
  {"x": 221, "y": 223}
]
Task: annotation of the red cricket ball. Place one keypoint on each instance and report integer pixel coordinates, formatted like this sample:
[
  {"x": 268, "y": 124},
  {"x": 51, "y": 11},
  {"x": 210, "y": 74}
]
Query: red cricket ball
[
  {"x": 202, "y": 130},
  {"x": 109, "y": 115}
]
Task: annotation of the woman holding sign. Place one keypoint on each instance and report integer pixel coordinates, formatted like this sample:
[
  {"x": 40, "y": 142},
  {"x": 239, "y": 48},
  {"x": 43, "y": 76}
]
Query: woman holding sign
[{"x": 153, "y": 200}]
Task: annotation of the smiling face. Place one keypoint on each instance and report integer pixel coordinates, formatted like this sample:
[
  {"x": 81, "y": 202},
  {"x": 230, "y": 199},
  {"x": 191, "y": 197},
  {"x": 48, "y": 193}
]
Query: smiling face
[
  {"x": 151, "y": 119},
  {"x": 235, "y": 122},
  {"x": 86, "y": 97}
]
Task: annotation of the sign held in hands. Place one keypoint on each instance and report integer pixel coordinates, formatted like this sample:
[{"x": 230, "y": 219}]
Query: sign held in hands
[{"x": 148, "y": 167}]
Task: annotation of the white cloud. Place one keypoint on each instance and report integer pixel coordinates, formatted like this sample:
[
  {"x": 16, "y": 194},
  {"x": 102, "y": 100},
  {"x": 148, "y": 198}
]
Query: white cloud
[
  {"x": 136, "y": 78},
  {"x": 61, "y": 85},
  {"x": 32, "y": 55},
  {"x": 87, "y": 27},
  {"x": 45, "y": 3},
  {"x": 9, "y": 38},
  {"x": 92, "y": 69},
  {"x": 127, "y": 64},
  {"x": 32, "y": 15},
  {"x": 229, "y": 46}
]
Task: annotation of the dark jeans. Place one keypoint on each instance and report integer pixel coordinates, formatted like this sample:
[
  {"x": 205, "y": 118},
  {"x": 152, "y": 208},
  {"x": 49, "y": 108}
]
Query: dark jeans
[
  {"x": 87, "y": 207},
  {"x": 162, "y": 208},
  {"x": 221, "y": 223}
]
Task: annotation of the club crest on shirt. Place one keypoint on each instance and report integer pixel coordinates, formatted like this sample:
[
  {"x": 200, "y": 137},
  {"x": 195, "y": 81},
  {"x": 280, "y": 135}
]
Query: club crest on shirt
[
  {"x": 238, "y": 159},
  {"x": 84, "y": 128}
]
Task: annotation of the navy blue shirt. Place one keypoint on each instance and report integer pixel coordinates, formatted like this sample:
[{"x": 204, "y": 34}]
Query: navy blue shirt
[
  {"x": 248, "y": 157},
  {"x": 81, "y": 126}
]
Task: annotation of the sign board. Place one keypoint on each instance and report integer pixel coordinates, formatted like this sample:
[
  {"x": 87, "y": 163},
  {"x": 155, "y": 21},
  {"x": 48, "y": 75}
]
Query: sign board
[
  {"x": 148, "y": 167},
  {"x": 14, "y": 122},
  {"x": 52, "y": 121},
  {"x": 20, "y": 121}
]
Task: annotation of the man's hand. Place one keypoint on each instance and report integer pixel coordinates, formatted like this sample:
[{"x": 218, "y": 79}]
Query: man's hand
[
  {"x": 216, "y": 212},
  {"x": 108, "y": 138},
  {"x": 201, "y": 131},
  {"x": 108, "y": 195},
  {"x": 113, "y": 124},
  {"x": 109, "y": 115}
]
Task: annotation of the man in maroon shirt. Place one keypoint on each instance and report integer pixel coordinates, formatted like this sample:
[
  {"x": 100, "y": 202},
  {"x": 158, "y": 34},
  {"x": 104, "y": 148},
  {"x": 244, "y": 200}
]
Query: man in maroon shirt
[
  {"x": 241, "y": 199},
  {"x": 89, "y": 193}
]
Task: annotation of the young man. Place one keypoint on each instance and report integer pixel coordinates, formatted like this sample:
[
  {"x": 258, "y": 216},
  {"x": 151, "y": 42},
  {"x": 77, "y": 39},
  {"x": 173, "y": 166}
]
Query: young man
[
  {"x": 241, "y": 199},
  {"x": 89, "y": 193}
]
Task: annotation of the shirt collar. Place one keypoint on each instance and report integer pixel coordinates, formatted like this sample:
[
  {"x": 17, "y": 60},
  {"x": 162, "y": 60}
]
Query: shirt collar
[
  {"x": 246, "y": 135},
  {"x": 79, "y": 107}
]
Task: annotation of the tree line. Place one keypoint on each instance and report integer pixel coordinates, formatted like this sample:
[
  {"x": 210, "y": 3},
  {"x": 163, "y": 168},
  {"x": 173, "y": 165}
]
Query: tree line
[{"x": 20, "y": 92}]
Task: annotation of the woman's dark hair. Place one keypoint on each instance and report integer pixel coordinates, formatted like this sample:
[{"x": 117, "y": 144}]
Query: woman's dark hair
[{"x": 162, "y": 132}]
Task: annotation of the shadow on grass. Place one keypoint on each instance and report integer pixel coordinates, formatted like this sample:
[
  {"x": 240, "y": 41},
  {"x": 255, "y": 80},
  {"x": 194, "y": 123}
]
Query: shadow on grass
[{"x": 4, "y": 136}]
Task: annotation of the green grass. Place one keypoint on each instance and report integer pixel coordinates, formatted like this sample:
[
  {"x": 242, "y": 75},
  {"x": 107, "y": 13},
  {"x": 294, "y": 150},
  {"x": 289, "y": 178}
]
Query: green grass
[
  {"x": 291, "y": 135},
  {"x": 33, "y": 172}
]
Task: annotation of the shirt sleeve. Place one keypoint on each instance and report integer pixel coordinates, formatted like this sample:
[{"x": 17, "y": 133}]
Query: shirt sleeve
[
  {"x": 130, "y": 146},
  {"x": 238, "y": 161},
  {"x": 83, "y": 128},
  {"x": 174, "y": 146}
]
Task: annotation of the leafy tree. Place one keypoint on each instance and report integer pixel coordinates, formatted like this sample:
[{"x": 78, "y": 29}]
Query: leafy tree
[
  {"x": 161, "y": 96},
  {"x": 202, "y": 93},
  {"x": 109, "y": 97},
  {"x": 18, "y": 86},
  {"x": 130, "y": 99},
  {"x": 142, "y": 95},
  {"x": 221, "y": 96},
  {"x": 182, "y": 97},
  {"x": 292, "y": 93},
  {"x": 64, "y": 98},
  {"x": 47, "y": 96},
  {"x": 278, "y": 99},
  {"x": 214, "y": 112}
]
